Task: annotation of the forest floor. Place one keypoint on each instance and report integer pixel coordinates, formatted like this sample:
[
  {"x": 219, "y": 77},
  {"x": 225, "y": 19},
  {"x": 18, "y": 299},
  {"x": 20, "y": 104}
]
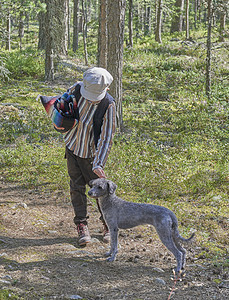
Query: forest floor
[{"x": 40, "y": 258}]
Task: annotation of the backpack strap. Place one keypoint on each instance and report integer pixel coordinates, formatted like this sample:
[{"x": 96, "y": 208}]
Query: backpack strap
[
  {"x": 99, "y": 116},
  {"x": 75, "y": 90},
  {"x": 99, "y": 113}
]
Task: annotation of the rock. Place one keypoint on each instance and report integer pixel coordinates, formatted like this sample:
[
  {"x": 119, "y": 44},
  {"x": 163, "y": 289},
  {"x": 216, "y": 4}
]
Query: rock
[
  {"x": 84, "y": 265},
  {"x": 160, "y": 281},
  {"x": 23, "y": 205},
  {"x": 158, "y": 270},
  {"x": 139, "y": 236},
  {"x": 150, "y": 241},
  {"x": 130, "y": 259},
  {"x": 7, "y": 277},
  {"x": 75, "y": 297},
  {"x": 52, "y": 231},
  {"x": 216, "y": 198},
  {"x": 201, "y": 257},
  {"x": 5, "y": 281},
  {"x": 224, "y": 284},
  {"x": 94, "y": 240}
]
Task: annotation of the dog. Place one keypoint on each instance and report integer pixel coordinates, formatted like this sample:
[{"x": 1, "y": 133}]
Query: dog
[{"x": 122, "y": 214}]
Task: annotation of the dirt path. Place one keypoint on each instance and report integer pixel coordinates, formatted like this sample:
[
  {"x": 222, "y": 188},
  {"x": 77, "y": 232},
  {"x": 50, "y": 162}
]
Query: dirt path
[{"x": 40, "y": 258}]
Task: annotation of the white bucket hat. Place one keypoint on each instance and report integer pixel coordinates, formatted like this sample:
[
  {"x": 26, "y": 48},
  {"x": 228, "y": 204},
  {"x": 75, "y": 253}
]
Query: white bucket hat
[{"x": 95, "y": 83}]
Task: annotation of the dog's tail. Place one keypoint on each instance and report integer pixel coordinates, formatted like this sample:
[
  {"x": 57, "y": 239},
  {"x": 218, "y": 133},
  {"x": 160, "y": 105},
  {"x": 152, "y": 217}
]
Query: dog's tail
[
  {"x": 186, "y": 240},
  {"x": 181, "y": 238}
]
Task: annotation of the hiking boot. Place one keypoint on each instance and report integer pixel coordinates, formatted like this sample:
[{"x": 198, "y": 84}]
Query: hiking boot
[
  {"x": 106, "y": 235},
  {"x": 84, "y": 235}
]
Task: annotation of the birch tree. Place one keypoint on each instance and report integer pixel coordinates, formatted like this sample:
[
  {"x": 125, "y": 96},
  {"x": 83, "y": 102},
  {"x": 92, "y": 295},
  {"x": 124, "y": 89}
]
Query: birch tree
[
  {"x": 187, "y": 19},
  {"x": 159, "y": 21}
]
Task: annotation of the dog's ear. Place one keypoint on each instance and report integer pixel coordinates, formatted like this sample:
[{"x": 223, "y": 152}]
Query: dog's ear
[
  {"x": 91, "y": 183},
  {"x": 111, "y": 187}
]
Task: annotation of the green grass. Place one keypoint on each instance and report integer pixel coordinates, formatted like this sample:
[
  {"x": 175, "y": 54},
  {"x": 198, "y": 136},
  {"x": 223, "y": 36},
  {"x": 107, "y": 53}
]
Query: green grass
[
  {"x": 173, "y": 151},
  {"x": 6, "y": 294}
]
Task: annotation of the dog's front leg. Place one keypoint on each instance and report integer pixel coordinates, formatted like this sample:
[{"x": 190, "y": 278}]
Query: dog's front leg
[{"x": 113, "y": 244}]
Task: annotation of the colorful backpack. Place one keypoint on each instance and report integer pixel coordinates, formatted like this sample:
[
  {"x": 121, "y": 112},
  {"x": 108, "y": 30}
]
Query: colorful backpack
[{"x": 62, "y": 109}]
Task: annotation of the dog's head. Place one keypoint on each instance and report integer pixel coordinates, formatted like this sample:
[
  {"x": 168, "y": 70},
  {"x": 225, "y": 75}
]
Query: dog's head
[{"x": 101, "y": 187}]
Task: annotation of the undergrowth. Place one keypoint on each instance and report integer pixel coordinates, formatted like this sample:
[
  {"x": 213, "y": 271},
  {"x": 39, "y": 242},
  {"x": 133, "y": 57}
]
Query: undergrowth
[{"x": 174, "y": 147}]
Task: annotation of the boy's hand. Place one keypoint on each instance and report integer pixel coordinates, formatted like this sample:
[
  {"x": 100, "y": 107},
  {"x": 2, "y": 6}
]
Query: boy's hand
[{"x": 99, "y": 172}]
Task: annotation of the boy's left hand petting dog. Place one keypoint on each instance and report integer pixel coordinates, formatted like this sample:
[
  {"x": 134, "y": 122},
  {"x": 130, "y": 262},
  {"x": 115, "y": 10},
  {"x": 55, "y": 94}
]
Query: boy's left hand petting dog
[{"x": 99, "y": 172}]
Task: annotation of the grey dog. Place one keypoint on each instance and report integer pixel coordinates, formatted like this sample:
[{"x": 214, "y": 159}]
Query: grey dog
[{"x": 123, "y": 214}]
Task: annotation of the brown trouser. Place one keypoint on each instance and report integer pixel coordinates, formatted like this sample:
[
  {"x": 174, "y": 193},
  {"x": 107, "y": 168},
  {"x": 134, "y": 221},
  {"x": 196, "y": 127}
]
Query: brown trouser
[{"x": 80, "y": 172}]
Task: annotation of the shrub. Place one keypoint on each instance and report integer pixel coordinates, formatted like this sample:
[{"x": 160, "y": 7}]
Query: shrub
[
  {"x": 4, "y": 72},
  {"x": 24, "y": 63}
]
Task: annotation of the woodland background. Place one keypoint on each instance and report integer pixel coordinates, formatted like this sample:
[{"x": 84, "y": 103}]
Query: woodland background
[{"x": 170, "y": 63}]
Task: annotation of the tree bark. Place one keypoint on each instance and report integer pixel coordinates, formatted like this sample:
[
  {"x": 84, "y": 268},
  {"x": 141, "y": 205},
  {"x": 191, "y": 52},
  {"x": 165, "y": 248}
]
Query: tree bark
[
  {"x": 222, "y": 25},
  {"x": 8, "y": 30},
  {"x": 130, "y": 23},
  {"x": 159, "y": 21},
  {"x": 155, "y": 21},
  {"x": 115, "y": 22},
  {"x": 49, "y": 45},
  {"x": 75, "y": 43},
  {"x": 84, "y": 32},
  {"x": 195, "y": 13},
  {"x": 65, "y": 25},
  {"x": 177, "y": 20},
  {"x": 187, "y": 19},
  {"x": 208, "y": 59},
  {"x": 147, "y": 18},
  {"x": 21, "y": 28},
  {"x": 102, "y": 35},
  {"x": 56, "y": 39},
  {"x": 42, "y": 29}
]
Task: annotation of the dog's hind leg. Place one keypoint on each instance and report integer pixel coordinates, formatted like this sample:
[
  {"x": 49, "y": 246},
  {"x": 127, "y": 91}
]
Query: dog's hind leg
[
  {"x": 167, "y": 240},
  {"x": 113, "y": 244},
  {"x": 183, "y": 251}
]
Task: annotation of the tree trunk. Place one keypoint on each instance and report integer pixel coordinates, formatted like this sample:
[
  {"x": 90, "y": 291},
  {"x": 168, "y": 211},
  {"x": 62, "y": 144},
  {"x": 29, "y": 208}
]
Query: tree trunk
[
  {"x": 155, "y": 21},
  {"x": 84, "y": 32},
  {"x": 65, "y": 26},
  {"x": 222, "y": 26},
  {"x": 177, "y": 20},
  {"x": 88, "y": 10},
  {"x": 21, "y": 28},
  {"x": 42, "y": 29},
  {"x": 147, "y": 26},
  {"x": 56, "y": 39},
  {"x": 115, "y": 26},
  {"x": 208, "y": 59},
  {"x": 159, "y": 22},
  {"x": 75, "y": 43},
  {"x": 195, "y": 13},
  {"x": 102, "y": 35},
  {"x": 199, "y": 10},
  {"x": 8, "y": 30},
  {"x": 49, "y": 45},
  {"x": 60, "y": 25},
  {"x": 130, "y": 23},
  {"x": 69, "y": 25},
  {"x": 187, "y": 19}
]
